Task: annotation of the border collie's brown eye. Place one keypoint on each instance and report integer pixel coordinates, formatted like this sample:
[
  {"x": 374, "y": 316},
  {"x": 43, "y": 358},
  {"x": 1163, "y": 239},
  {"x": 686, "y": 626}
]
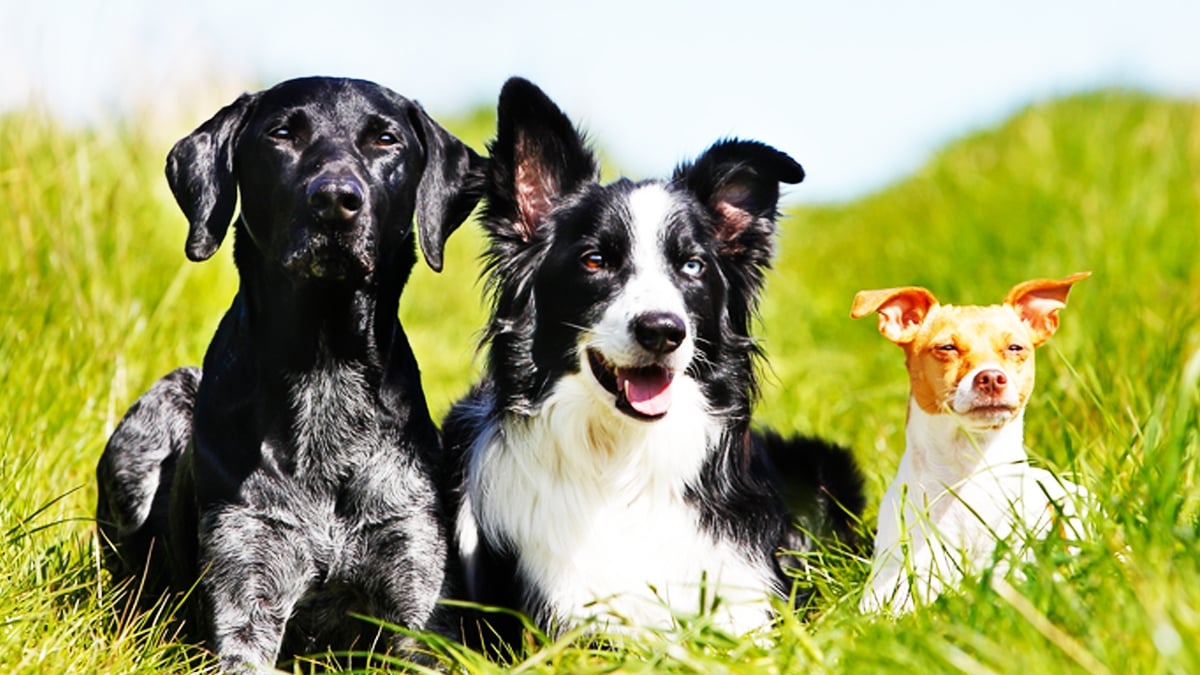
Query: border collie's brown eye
[
  {"x": 386, "y": 138},
  {"x": 592, "y": 261}
]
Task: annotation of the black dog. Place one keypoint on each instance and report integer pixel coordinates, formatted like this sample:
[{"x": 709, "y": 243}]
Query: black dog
[
  {"x": 609, "y": 468},
  {"x": 302, "y": 467}
]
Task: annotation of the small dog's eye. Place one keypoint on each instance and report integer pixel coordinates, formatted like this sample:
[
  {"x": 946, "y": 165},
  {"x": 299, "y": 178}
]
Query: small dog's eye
[
  {"x": 948, "y": 348},
  {"x": 1015, "y": 348},
  {"x": 693, "y": 267},
  {"x": 281, "y": 133},
  {"x": 386, "y": 138},
  {"x": 592, "y": 261}
]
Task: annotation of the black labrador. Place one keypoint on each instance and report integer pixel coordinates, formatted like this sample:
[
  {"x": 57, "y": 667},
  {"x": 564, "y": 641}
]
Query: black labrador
[{"x": 295, "y": 479}]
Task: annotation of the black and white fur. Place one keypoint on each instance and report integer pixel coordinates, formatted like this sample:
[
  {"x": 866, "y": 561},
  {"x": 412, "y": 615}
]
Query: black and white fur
[
  {"x": 297, "y": 477},
  {"x": 609, "y": 469}
]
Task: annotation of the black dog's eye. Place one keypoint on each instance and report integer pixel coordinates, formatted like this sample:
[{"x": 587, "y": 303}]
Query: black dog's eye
[
  {"x": 386, "y": 138},
  {"x": 692, "y": 267},
  {"x": 593, "y": 260},
  {"x": 281, "y": 133}
]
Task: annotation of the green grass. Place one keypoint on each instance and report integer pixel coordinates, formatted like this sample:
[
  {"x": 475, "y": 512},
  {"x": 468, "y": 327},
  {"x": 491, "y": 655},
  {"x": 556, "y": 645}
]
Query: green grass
[{"x": 98, "y": 301}]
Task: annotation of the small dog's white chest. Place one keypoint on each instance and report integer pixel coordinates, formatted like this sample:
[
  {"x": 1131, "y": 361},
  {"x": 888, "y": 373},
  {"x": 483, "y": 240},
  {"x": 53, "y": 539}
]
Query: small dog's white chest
[{"x": 933, "y": 531}]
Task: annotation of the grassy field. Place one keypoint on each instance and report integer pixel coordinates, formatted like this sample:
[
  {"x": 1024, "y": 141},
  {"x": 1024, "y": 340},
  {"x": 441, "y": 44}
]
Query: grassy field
[{"x": 98, "y": 301}]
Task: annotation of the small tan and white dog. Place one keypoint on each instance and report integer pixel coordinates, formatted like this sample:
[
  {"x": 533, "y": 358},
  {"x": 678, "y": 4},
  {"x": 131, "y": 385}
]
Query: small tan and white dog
[{"x": 964, "y": 482}]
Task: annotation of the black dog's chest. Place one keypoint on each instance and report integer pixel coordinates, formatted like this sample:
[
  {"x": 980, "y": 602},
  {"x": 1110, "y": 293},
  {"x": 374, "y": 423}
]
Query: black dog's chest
[
  {"x": 334, "y": 424},
  {"x": 337, "y": 476}
]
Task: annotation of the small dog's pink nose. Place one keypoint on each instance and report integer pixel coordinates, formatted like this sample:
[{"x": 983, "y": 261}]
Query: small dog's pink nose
[{"x": 990, "y": 382}]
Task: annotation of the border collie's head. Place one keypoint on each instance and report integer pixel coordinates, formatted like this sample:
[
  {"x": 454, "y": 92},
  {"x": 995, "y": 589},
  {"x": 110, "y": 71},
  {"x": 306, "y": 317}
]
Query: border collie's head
[{"x": 628, "y": 287}]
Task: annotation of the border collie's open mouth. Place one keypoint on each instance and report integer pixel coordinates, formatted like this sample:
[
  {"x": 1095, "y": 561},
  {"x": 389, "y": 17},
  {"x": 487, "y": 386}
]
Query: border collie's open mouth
[{"x": 643, "y": 393}]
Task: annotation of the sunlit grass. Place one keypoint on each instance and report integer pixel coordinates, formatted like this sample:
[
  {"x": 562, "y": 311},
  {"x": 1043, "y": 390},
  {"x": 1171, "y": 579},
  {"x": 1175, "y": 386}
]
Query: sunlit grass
[{"x": 98, "y": 301}]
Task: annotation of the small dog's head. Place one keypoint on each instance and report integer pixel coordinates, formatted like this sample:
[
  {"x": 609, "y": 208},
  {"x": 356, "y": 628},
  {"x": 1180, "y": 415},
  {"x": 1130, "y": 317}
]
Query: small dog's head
[
  {"x": 330, "y": 172},
  {"x": 628, "y": 287},
  {"x": 973, "y": 361}
]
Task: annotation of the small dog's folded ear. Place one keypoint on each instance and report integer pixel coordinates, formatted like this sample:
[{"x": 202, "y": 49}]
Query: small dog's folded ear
[
  {"x": 450, "y": 187},
  {"x": 1037, "y": 303},
  {"x": 537, "y": 157},
  {"x": 901, "y": 310},
  {"x": 200, "y": 173}
]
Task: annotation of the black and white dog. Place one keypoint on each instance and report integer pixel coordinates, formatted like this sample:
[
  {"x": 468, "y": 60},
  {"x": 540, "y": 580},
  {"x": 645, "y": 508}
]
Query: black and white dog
[
  {"x": 297, "y": 476},
  {"x": 609, "y": 469}
]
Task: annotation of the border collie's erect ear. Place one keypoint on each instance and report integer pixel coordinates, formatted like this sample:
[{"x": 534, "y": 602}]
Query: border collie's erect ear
[
  {"x": 200, "y": 173},
  {"x": 450, "y": 186},
  {"x": 739, "y": 182},
  {"x": 537, "y": 157}
]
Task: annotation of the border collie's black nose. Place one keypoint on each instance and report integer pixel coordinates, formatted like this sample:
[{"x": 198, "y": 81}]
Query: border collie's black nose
[
  {"x": 659, "y": 332},
  {"x": 335, "y": 199}
]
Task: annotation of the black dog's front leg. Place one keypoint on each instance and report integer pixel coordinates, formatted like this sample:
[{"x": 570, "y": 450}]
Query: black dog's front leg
[
  {"x": 254, "y": 571},
  {"x": 134, "y": 479},
  {"x": 402, "y": 575}
]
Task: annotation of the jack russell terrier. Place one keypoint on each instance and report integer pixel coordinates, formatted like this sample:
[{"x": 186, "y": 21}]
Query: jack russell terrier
[{"x": 964, "y": 482}]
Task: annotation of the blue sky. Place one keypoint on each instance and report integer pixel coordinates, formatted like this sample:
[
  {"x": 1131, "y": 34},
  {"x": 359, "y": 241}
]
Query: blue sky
[{"x": 860, "y": 93}]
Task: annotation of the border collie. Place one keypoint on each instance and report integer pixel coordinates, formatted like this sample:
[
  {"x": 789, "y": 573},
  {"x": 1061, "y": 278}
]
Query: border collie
[{"x": 609, "y": 470}]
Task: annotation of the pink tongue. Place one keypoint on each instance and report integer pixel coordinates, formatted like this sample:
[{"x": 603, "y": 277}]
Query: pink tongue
[{"x": 648, "y": 390}]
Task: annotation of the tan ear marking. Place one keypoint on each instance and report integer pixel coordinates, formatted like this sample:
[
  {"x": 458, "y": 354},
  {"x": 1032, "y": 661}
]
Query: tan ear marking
[
  {"x": 1037, "y": 302},
  {"x": 901, "y": 310}
]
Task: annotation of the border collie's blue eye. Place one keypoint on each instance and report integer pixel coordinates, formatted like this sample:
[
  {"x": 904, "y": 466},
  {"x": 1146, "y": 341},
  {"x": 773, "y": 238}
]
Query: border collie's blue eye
[
  {"x": 592, "y": 261},
  {"x": 693, "y": 267}
]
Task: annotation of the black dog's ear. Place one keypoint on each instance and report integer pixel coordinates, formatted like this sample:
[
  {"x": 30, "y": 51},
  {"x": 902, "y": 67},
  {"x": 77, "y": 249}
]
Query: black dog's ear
[
  {"x": 739, "y": 183},
  {"x": 450, "y": 186},
  {"x": 537, "y": 157},
  {"x": 200, "y": 173}
]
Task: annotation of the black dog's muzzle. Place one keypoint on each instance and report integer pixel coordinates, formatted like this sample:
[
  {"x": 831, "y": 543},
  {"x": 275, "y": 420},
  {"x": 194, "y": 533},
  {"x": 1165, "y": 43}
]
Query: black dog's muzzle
[{"x": 333, "y": 236}]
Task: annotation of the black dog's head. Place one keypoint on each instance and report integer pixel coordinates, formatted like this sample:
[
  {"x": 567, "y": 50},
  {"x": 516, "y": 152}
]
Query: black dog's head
[
  {"x": 638, "y": 293},
  {"x": 330, "y": 172}
]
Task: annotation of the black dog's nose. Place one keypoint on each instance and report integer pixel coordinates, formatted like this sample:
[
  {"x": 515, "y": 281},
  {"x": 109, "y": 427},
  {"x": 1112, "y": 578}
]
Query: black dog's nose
[
  {"x": 335, "y": 199},
  {"x": 659, "y": 332}
]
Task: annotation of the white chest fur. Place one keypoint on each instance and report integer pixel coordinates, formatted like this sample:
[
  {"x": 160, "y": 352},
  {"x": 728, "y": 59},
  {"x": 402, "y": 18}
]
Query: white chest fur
[
  {"x": 954, "y": 498},
  {"x": 594, "y": 503}
]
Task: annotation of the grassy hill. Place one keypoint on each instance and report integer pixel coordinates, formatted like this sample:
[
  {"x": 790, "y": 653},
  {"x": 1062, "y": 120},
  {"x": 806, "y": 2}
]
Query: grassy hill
[{"x": 98, "y": 301}]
